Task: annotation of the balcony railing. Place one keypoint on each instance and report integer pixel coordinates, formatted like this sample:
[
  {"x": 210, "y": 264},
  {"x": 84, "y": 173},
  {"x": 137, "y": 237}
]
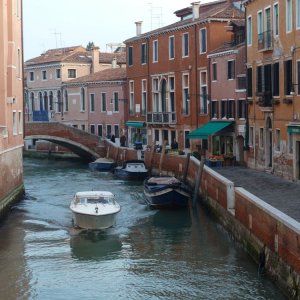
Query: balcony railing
[
  {"x": 265, "y": 100},
  {"x": 265, "y": 41},
  {"x": 161, "y": 117}
]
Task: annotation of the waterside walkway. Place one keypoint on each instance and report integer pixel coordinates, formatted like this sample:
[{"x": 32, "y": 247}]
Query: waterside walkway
[{"x": 280, "y": 193}]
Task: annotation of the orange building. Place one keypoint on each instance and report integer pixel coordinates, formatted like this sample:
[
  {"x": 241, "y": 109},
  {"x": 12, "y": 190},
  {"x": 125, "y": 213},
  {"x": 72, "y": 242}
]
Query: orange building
[
  {"x": 11, "y": 102},
  {"x": 168, "y": 73},
  {"x": 273, "y": 93}
]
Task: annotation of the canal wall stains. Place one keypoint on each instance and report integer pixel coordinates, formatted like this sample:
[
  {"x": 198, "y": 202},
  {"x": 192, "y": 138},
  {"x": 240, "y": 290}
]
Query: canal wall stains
[
  {"x": 11, "y": 183},
  {"x": 271, "y": 237}
]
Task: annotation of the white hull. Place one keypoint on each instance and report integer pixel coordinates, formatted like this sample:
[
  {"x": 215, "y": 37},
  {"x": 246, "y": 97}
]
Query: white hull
[{"x": 94, "y": 222}]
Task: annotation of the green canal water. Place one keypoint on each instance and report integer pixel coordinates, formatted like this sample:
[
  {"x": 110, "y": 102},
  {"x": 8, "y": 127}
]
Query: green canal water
[{"x": 149, "y": 254}]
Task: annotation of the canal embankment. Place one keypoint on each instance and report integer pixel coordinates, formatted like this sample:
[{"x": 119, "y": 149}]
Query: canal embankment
[{"x": 270, "y": 236}]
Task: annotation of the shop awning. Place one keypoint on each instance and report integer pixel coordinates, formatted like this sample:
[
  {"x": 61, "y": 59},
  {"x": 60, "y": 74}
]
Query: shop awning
[
  {"x": 293, "y": 129},
  {"x": 135, "y": 124},
  {"x": 209, "y": 128}
]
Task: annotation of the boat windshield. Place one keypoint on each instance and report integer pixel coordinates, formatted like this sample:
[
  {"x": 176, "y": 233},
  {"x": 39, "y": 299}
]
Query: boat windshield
[{"x": 100, "y": 200}]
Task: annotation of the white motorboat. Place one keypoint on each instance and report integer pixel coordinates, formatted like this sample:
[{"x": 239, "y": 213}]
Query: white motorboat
[{"x": 94, "y": 209}]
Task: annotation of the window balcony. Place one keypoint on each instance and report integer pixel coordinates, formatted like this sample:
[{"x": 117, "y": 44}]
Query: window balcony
[
  {"x": 265, "y": 41},
  {"x": 161, "y": 117}
]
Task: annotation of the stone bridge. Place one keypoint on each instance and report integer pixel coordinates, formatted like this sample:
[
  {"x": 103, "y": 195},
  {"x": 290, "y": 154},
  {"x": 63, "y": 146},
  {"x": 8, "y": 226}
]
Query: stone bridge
[{"x": 86, "y": 145}]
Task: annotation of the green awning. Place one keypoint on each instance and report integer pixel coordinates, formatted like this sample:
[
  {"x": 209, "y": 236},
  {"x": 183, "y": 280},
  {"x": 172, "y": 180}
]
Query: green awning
[
  {"x": 135, "y": 124},
  {"x": 208, "y": 129},
  {"x": 293, "y": 129}
]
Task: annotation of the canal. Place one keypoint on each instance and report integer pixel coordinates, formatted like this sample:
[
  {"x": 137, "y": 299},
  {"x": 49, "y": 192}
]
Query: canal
[{"x": 148, "y": 254}]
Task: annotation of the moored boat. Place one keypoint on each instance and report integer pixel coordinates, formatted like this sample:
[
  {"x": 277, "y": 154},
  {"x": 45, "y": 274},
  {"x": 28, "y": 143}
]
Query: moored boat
[
  {"x": 132, "y": 170},
  {"x": 94, "y": 209},
  {"x": 102, "y": 164},
  {"x": 166, "y": 192}
]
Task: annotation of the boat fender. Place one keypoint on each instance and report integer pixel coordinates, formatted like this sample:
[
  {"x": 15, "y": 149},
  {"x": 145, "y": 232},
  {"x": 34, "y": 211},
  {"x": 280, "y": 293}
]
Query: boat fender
[{"x": 96, "y": 210}]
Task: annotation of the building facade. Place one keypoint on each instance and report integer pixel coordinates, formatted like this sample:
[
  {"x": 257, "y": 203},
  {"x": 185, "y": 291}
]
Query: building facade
[
  {"x": 168, "y": 73},
  {"x": 228, "y": 96},
  {"x": 273, "y": 74},
  {"x": 11, "y": 99},
  {"x": 97, "y": 103},
  {"x": 45, "y": 98}
]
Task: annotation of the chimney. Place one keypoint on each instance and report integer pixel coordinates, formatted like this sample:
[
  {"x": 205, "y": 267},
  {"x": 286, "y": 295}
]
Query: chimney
[
  {"x": 138, "y": 27},
  {"x": 95, "y": 60},
  {"x": 195, "y": 8}
]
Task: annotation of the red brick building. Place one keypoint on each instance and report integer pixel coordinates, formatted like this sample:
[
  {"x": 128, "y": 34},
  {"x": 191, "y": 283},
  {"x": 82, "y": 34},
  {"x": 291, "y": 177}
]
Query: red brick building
[{"x": 168, "y": 73}]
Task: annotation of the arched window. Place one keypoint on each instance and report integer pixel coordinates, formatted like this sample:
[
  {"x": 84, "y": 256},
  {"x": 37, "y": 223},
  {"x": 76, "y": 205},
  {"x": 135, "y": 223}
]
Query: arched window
[
  {"x": 58, "y": 102},
  {"x": 45, "y": 101},
  {"x": 82, "y": 99},
  {"x": 66, "y": 102},
  {"x": 51, "y": 107},
  {"x": 41, "y": 101},
  {"x": 31, "y": 105}
]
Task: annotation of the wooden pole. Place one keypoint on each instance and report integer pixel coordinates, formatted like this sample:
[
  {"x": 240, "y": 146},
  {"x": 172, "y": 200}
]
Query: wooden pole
[
  {"x": 186, "y": 167},
  {"x": 151, "y": 156},
  {"x": 198, "y": 180},
  {"x": 162, "y": 155}
]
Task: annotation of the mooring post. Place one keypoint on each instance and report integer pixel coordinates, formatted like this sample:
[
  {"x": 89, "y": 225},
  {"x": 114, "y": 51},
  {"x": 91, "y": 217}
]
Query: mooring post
[
  {"x": 162, "y": 155},
  {"x": 198, "y": 179},
  {"x": 107, "y": 153},
  {"x": 151, "y": 156},
  {"x": 186, "y": 167}
]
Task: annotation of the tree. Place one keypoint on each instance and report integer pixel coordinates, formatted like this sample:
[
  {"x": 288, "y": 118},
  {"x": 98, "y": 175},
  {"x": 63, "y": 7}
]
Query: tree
[{"x": 90, "y": 46}]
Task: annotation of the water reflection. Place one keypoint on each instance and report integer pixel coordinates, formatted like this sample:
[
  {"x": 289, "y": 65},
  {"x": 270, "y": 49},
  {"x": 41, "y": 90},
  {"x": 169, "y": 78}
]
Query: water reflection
[{"x": 95, "y": 245}]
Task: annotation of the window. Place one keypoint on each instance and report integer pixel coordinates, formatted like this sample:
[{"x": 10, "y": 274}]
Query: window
[
  {"x": 241, "y": 82},
  {"x": 20, "y": 123},
  {"x": 290, "y": 142},
  {"x": 171, "y": 47},
  {"x": 116, "y": 130},
  {"x": 103, "y": 101},
  {"x": 241, "y": 109},
  {"x": 44, "y": 75},
  {"x": 202, "y": 39},
  {"x": 249, "y": 31},
  {"x": 251, "y": 137},
  {"x": 144, "y": 96},
  {"x": 289, "y": 16},
  {"x": 203, "y": 92},
  {"x": 58, "y": 102},
  {"x": 230, "y": 69},
  {"x": 155, "y": 51},
  {"x": 298, "y": 77},
  {"x": 19, "y": 64},
  {"x": 14, "y": 122},
  {"x": 131, "y": 98},
  {"x": 82, "y": 99},
  {"x": 71, "y": 73},
  {"x": 214, "y": 109},
  {"x": 249, "y": 82},
  {"x": 185, "y": 45},
  {"x": 224, "y": 108},
  {"x": 51, "y": 107},
  {"x": 66, "y": 102},
  {"x": 261, "y": 137},
  {"x": 92, "y": 102},
  {"x": 31, "y": 76},
  {"x": 155, "y": 95},
  {"x": 288, "y": 77},
  {"x": 82, "y": 127},
  {"x": 143, "y": 53},
  {"x": 100, "y": 130},
  {"x": 277, "y": 139},
  {"x": 276, "y": 19},
  {"x": 259, "y": 22},
  {"x": 116, "y": 101},
  {"x": 185, "y": 94},
  {"x": 57, "y": 73},
  {"x": 214, "y": 72},
  {"x": 32, "y": 104},
  {"x": 92, "y": 129},
  {"x": 172, "y": 96},
  {"x": 108, "y": 130},
  {"x": 231, "y": 109},
  {"x": 276, "y": 79},
  {"x": 259, "y": 79},
  {"x": 298, "y": 14},
  {"x": 130, "y": 56}
]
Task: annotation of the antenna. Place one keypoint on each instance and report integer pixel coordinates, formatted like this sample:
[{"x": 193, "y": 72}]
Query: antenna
[
  {"x": 155, "y": 15},
  {"x": 56, "y": 34}
]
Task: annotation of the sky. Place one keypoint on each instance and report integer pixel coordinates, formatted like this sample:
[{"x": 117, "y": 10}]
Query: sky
[{"x": 63, "y": 23}]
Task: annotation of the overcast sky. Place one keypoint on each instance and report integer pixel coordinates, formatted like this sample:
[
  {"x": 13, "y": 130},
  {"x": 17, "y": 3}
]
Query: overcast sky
[{"x": 62, "y": 23}]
